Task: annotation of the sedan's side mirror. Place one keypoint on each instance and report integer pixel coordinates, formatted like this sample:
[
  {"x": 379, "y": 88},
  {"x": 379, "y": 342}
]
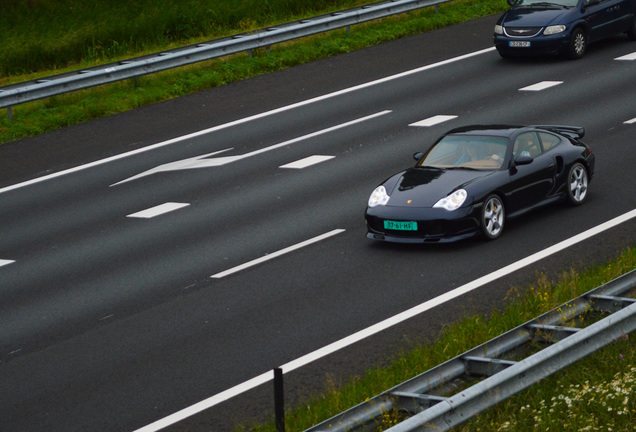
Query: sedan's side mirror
[{"x": 417, "y": 156}]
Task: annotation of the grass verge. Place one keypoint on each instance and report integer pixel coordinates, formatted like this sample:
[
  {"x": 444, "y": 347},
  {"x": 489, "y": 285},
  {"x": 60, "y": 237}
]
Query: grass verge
[
  {"x": 64, "y": 110},
  {"x": 595, "y": 394}
]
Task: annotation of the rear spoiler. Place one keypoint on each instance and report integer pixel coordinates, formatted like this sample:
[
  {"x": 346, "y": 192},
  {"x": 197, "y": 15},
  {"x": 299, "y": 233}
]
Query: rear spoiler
[{"x": 575, "y": 132}]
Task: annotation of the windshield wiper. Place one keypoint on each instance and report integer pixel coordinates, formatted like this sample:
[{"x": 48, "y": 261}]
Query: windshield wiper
[
  {"x": 549, "y": 5},
  {"x": 466, "y": 168}
]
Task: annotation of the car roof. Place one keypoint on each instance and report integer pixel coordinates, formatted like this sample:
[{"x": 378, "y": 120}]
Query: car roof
[
  {"x": 510, "y": 130},
  {"x": 492, "y": 130}
]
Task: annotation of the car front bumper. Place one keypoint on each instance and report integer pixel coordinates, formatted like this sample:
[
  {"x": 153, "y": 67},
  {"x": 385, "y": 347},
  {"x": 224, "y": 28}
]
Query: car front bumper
[
  {"x": 539, "y": 45},
  {"x": 433, "y": 225}
]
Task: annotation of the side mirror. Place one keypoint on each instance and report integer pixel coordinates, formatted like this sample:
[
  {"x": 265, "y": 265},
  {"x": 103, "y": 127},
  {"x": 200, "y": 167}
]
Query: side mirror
[
  {"x": 417, "y": 156},
  {"x": 523, "y": 160}
]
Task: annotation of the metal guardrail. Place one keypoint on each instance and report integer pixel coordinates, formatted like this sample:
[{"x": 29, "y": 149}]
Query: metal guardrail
[
  {"x": 430, "y": 401},
  {"x": 27, "y": 91}
]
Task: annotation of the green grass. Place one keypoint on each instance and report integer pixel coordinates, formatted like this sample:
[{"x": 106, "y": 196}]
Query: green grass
[
  {"x": 596, "y": 393},
  {"x": 50, "y": 34},
  {"x": 73, "y": 35}
]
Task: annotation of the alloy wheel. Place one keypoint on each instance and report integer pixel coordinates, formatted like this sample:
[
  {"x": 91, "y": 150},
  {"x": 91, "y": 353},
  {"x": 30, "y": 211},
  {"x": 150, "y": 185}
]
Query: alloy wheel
[
  {"x": 492, "y": 217},
  {"x": 578, "y": 182}
]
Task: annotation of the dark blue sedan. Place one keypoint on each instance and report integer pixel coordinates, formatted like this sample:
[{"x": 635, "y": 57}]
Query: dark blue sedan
[
  {"x": 475, "y": 178},
  {"x": 563, "y": 27}
]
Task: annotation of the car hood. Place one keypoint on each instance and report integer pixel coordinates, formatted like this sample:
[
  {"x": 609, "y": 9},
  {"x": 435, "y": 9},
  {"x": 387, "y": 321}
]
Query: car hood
[
  {"x": 423, "y": 187},
  {"x": 527, "y": 17}
]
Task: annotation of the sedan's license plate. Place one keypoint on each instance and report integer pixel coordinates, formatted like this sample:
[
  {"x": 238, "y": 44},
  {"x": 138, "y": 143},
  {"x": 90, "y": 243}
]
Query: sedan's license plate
[
  {"x": 400, "y": 226},
  {"x": 519, "y": 44}
]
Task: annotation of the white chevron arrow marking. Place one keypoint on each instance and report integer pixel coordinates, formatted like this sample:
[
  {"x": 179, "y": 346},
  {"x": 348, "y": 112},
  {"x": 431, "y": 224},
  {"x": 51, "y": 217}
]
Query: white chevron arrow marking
[{"x": 203, "y": 161}]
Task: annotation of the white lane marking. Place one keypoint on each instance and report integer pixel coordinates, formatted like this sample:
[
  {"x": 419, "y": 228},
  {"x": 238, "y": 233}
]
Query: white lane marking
[
  {"x": 432, "y": 121},
  {"x": 5, "y": 262},
  {"x": 632, "y": 121},
  {"x": 306, "y": 162},
  {"x": 383, "y": 325},
  {"x": 158, "y": 210},
  {"x": 189, "y": 163},
  {"x": 276, "y": 254},
  {"x": 541, "y": 86},
  {"x": 203, "y": 162},
  {"x": 627, "y": 57},
  {"x": 247, "y": 119}
]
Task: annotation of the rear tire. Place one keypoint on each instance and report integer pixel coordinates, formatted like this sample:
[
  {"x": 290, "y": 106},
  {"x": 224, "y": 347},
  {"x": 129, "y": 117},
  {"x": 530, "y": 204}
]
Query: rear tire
[
  {"x": 492, "y": 217},
  {"x": 578, "y": 44},
  {"x": 577, "y": 184}
]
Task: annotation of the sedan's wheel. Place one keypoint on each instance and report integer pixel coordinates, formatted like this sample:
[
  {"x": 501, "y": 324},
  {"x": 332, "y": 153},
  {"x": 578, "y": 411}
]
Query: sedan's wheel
[
  {"x": 492, "y": 217},
  {"x": 578, "y": 44},
  {"x": 577, "y": 184}
]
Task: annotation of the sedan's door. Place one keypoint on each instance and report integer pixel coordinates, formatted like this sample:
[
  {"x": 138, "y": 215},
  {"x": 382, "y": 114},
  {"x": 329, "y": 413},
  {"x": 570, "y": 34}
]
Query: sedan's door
[{"x": 529, "y": 183}]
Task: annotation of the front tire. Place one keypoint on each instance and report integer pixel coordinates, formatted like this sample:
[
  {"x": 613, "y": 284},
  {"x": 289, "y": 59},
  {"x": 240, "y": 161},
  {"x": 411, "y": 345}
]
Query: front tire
[
  {"x": 578, "y": 44},
  {"x": 492, "y": 217},
  {"x": 577, "y": 184}
]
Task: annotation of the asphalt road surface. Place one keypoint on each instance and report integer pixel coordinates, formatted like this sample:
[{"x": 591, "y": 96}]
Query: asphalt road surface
[{"x": 154, "y": 259}]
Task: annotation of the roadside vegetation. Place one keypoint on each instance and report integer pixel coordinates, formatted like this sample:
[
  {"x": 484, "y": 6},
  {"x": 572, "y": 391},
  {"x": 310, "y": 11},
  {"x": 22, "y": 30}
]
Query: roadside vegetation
[
  {"x": 598, "y": 393},
  {"x": 46, "y": 37}
]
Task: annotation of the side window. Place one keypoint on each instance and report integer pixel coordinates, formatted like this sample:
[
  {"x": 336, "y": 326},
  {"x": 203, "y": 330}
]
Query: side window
[
  {"x": 548, "y": 140},
  {"x": 527, "y": 144}
]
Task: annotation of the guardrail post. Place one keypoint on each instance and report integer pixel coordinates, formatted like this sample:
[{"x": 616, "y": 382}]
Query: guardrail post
[
  {"x": 279, "y": 400},
  {"x": 9, "y": 113}
]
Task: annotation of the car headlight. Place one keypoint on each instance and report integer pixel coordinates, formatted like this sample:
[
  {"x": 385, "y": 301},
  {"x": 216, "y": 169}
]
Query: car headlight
[
  {"x": 498, "y": 29},
  {"x": 378, "y": 197},
  {"x": 452, "y": 201},
  {"x": 555, "y": 29}
]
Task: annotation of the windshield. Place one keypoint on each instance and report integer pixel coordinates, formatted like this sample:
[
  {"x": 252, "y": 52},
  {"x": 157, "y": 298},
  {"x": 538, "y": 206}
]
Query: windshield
[
  {"x": 547, "y": 4},
  {"x": 469, "y": 152}
]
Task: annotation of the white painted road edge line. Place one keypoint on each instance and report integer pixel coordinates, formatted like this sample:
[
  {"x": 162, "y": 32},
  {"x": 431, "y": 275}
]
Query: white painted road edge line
[
  {"x": 383, "y": 325},
  {"x": 5, "y": 262},
  {"x": 276, "y": 254},
  {"x": 244, "y": 120}
]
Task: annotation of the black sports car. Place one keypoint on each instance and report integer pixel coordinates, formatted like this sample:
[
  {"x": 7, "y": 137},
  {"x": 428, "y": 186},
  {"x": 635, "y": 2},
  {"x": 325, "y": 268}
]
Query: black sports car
[{"x": 474, "y": 178}]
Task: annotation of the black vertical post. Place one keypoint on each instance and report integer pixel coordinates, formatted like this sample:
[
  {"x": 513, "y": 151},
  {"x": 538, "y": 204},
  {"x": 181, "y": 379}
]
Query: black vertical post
[{"x": 279, "y": 400}]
